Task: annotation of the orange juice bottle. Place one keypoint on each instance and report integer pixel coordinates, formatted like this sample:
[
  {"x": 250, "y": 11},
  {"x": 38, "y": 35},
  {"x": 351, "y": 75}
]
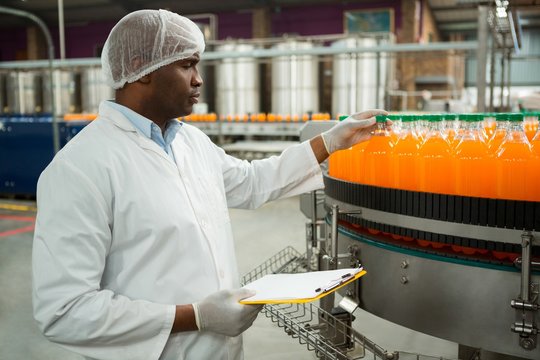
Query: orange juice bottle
[
  {"x": 489, "y": 124},
  {"x": 337, "y": 161},
  {"x": 406, "y": 155},
  {"x": 436, "y": 166},
  {"x": 378, "y": 156},
  {"x": 514, "y": 157},
  {"x": 500, "y": 132},
  {"x": 474, "y": 164},
  {"x": 451, "y": 126},
  {"x": 530, "y": 124},
  {"x": 333, "y": 164},
  {"x": 358, "y": 163},
  {"x": 535, "y": 167},
  {"x": 396, "y": 127},
  {"x": 421, "y": 126}
]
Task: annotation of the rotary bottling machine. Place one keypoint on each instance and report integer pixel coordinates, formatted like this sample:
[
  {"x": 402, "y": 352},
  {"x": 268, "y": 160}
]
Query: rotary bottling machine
[{"x": 458, "y": 268}]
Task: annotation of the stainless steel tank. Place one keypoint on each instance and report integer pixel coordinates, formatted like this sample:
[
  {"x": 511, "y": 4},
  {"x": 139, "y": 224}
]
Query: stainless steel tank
[
  {"x": 237, "y": 82},
  {"x": 94, "y": 89},
  {"x": 65, "y": 95},
  {"x": 358, "y": 78},
  {"x": 22, "y": 92},
  {"x": 294, "y": 80}
]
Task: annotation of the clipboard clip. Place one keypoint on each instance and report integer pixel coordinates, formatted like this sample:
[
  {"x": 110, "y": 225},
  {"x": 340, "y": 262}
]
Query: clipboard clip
[{"x": 335, "y": 283}]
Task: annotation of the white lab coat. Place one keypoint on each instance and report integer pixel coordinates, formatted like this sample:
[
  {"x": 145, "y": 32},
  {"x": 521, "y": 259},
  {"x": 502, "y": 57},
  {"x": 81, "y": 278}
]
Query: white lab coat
[{"x": 123, "y": 234}]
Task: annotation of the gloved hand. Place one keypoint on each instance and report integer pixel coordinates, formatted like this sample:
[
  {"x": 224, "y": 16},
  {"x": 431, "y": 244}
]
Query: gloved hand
[
  {"x": 354, "y": 129},
  {"x": 221, "y": 312}
]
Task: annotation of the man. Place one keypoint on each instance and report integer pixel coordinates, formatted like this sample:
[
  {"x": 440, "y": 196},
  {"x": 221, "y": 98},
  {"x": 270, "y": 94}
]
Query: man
[{"x": 133, "y": 255}]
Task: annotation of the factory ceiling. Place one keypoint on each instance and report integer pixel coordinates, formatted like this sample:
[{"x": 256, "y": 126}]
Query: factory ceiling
[{"x": 450, "y": 15}]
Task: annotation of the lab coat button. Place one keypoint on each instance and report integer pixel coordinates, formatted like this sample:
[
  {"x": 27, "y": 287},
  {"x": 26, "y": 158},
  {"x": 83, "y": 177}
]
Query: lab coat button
[{"x": 221, "y": 273}]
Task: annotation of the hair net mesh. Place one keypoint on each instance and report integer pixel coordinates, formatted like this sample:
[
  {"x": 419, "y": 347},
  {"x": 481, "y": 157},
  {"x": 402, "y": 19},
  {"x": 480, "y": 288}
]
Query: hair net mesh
[{"x": 145, "y": 40}]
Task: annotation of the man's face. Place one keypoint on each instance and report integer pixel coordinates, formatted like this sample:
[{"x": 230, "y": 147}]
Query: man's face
[{"x": 176, "y": 87}]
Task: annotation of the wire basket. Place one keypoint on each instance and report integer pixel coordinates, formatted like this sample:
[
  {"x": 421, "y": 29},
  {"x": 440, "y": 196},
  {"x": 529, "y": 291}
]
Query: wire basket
[{"x": 322, "y": 332}]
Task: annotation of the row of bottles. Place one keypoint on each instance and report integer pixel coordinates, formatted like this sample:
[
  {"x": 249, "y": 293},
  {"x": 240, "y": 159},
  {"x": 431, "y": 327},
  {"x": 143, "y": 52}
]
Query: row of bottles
[
  {"x": 255, "y": 117},
  {"x": 479, "y": 155}
]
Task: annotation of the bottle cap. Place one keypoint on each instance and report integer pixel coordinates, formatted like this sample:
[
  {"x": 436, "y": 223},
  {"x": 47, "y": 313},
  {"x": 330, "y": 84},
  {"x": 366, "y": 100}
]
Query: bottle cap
[
  {"x": 380, "y": 118},
  {"x": 509, "y": 117},
  {"x": 449, "y": 117}
]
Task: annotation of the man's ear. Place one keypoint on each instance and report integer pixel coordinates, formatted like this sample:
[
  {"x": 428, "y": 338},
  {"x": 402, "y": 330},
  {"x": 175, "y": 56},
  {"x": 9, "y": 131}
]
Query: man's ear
[{"x": 145, "y": 79}]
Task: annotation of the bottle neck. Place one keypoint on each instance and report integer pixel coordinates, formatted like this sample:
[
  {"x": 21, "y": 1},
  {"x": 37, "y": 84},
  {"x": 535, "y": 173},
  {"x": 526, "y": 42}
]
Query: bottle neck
[
  {"x": 472, "y": 130},
  {"x": 381, "y": 130},
  {"x": 515, "y": 133}
]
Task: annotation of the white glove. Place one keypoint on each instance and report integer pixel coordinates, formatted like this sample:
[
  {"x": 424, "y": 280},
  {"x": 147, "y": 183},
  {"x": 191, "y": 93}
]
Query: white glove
[
  {"x": 221, "y": 312},
  {"x": 354, "y": 129}
]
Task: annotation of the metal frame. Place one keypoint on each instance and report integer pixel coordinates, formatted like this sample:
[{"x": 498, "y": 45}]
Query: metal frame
[
  {"x": 436, "y": 226},
  {"x": 319, "y": 330}
]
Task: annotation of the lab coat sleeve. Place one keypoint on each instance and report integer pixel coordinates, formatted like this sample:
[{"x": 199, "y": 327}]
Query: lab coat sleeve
[
  {"x": 71, "y": 242},
  {"x": 251, "y": 184}
]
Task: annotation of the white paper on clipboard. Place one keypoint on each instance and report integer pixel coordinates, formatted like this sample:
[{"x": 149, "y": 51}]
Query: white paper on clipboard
[{"x": 298, "y": 287}]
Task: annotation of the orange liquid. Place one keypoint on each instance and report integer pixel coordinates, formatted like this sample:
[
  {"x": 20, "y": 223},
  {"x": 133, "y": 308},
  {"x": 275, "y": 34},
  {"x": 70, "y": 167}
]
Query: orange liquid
[
  {"x": 474, "y": 169},
  {"x": 451, "y": 137},
  {"x": 436, "y": 166},
  {"x": 530, "y": 127},
  {"x": 378, "y": 159},
  {"x": 513, "y": 159},
  {"x": 334, "y": 165},
  {"x": 358, "y": 163},
  {"x": 405, "y": 163},
  {"x": 489, "y": 128},
  {"x": 535, "y": 168},
  {"x": 496, "y": 140},
  {"x": 346, "y": 165}
]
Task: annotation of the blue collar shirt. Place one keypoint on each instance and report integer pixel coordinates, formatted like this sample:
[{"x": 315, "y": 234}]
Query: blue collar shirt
[{"x": 149, "y": 129}]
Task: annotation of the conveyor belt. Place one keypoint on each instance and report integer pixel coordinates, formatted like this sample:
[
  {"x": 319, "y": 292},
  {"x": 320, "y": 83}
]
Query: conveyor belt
[{"x": 494, "y": 213}]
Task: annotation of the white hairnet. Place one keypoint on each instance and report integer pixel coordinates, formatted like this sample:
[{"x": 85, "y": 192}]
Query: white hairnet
[{"x": 146, "y": 40}]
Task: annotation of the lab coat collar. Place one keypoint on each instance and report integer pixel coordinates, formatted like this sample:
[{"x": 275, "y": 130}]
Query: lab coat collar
[{"x": 108, "y": 113}]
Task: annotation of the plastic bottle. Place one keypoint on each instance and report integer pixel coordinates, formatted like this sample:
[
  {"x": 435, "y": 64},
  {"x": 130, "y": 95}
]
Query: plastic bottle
[
  {"x": 406, "y": 156},
  {"x": 489, "y": 124},
  {"x": 378, "y": 156},
  {"x": 421, "y": 126},
  {"x": 514, "y": 157},
  {"x": 500, "y": 132},
  {"x": 451, "y": 126},
  {"x": 473, "y": 162},
  {"x": 530, "y": 124},
  {"x": 436, "y": 166},
  {"x": 396, "y": 126},
  {"x": 535, "y": 167}
]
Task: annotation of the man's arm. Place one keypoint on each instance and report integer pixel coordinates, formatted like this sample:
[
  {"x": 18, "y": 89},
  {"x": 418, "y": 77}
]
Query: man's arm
[
  {"x": 184, "y": 319},
  {"x": 317, "y": 145}
]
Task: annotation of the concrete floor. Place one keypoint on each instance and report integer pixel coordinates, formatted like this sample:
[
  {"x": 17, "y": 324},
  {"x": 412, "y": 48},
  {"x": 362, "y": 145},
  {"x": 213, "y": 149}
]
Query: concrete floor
[{"x": 259, "y": 234}]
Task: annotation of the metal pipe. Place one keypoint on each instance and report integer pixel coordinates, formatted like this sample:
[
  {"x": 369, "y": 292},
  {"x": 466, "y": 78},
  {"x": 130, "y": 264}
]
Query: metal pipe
[
  {"x": 378, "y": 79},
  {"x": 262, "y": 53},
  {"x": 334, "y": 232},
  {"x": 61, "y": 29},
  {"x": 48, "y": 38},
  {"x": 526, "y": 245},
  {"x": 508, "y": 74},
  {"x": 334, "y": 50},
  {"x": 501, "y": 107},
  {"x": 492, "y": 78},
  {"x": 481, "y": 58}
]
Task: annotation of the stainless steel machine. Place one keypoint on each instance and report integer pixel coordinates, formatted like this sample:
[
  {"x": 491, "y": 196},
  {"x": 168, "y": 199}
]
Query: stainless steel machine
[{"x": 457, "y": 268}]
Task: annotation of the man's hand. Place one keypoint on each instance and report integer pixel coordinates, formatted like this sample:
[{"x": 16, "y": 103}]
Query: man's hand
[
  {"x": 354, "y": 129},
  {"x": 223, "y": 314}
]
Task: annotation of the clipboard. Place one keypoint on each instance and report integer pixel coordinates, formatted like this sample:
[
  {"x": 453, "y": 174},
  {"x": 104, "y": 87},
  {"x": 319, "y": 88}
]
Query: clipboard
[{"x": 301, "y": 287}]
